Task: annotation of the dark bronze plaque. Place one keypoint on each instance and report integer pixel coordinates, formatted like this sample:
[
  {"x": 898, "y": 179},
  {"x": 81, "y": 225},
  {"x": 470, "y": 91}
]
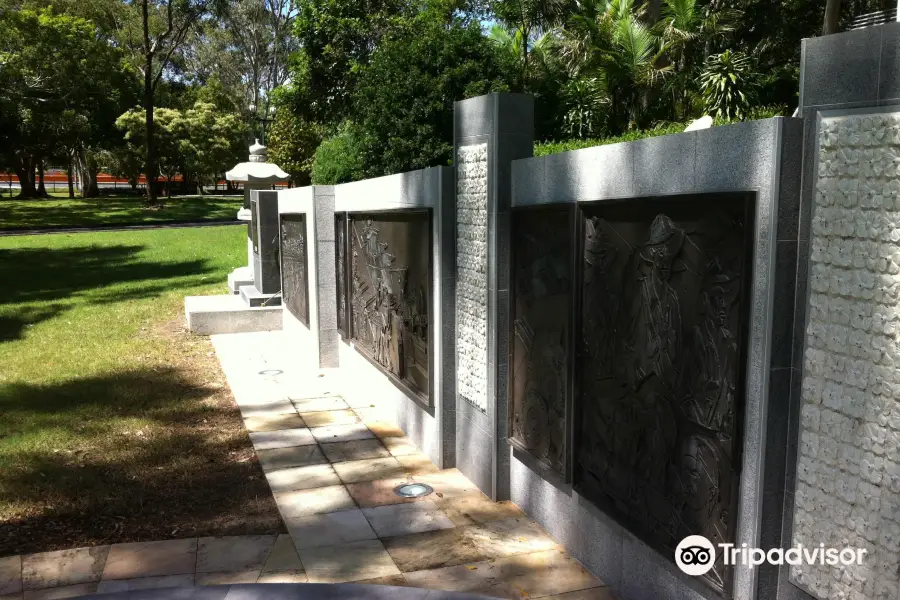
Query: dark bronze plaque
[
  {"x": 340, "y": 237},
  {"x": 542, "y": 295},
  {"x": 661, "y": 365},
  {"x": 295, "y": 280},
  {"x": 254, "y": 226},
  {"x": 390, "y": 291}
]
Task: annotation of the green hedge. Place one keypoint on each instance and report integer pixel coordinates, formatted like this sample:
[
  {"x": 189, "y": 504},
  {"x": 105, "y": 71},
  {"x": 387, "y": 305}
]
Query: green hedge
[{"x": 545, "y": 148}]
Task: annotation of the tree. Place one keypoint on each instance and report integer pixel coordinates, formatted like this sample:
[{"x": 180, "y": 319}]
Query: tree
[
  {"x": 404, "y": 99},
  {"x": 528, "y": 18},
  {"x": 61, "y": 86},
  {"x": 153, "y": 32},
  {"x": 292, "y": 144},
  {"x": 337, "y": 38},
  {"x": 832, "y": 15},
  {"x": 200, "y": 142}
]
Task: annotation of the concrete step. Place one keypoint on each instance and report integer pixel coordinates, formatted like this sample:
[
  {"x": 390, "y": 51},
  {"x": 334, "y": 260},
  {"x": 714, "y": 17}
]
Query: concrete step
[
  {"x": 209, "y": 315},
  {"x": 253, "y": 297},
  {"x": 238, "y": 278}
]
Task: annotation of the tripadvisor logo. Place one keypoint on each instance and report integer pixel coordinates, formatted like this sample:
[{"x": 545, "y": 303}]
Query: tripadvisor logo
[{"x": 696, "y": 555}]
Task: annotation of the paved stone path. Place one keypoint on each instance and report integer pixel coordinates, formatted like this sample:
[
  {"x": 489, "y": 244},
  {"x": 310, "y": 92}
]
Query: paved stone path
[{"x": 332, "y": 467}]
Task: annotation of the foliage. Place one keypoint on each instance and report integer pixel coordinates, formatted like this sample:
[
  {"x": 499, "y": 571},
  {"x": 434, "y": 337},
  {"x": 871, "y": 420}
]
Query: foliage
[
  {"x": 202, "y": 141},
  {"x": 292, "y": 143},
  {"x": 586, "y": 107},
  {"x": 404, "y": 99},
  {"x": 61, "y": 87},
  {"x": 339, "y": 159},
  {"x": 546, "y": 148},
  {"x": 336, "y": 38},
  {"x": 728, "y": 85}
]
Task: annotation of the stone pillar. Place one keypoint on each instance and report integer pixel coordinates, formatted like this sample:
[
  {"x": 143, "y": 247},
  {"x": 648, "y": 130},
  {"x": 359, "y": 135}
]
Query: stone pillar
[
  {"x": 264, "y": 218},
  {"x": 490, "y": 132}
]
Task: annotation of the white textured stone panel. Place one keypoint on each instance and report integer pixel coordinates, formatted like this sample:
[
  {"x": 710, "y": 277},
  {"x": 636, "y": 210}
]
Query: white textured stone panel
[
  {"x": 848, "y": 461},
  {"x": 471, "y": 274}
]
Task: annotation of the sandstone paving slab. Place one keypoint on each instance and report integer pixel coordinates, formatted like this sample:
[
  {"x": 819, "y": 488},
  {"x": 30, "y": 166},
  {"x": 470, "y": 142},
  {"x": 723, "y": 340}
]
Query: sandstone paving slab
[
  {"x": 283, "y": 577},
  {"x": 274, "y": 422},
  {"x": 312, "y": 388},
  {"x": 330, "y": 417},
  {"x": 347, "y": 562},
  {"x": 383, "y": 429},
  {"x": 538, "y": 574},
  {"x": 16, "y": 596},
  {"x": 228, "y": 577},
  {"x": 369, "y": 469},
  {"x": 392, "y": 580},
  {"x": 379, "y": 492},
  {"x": 533, "y": 575},
  {"x": 268, "y": 409},
  {"x": 63, "y": 567},
  {"x": 355, "y": 450},
  {"x": 432, "y": 550},
  {"x": 509, "y": 537},
  {"x": 417, "y": 464},
  {"x": 145, "y": 583},
  {"x": 267, "y": 440},
  {"x": 302, "y": 478},
  {"x": 319, "y": 404},
  {"x": 599, "y": 593},
  {"x": 341, "y": 433},
  {"x": 10, "y": 575},
  {"x": 402, "y": 519},
  {"x": 151, "y": 559},
  {"x": 469, "y": 510},
  {"x": 291, "y": 456},
  {"x": 330, "y": 529},
  {"x": 233, "y": 553},
  {"x": 302, "y": 503},
  {"x": 450, "y": 483},
  {"x": 66, "y": 591},
  {"x": 400, "y": 446},
  {"x": 283, "y": 557}
]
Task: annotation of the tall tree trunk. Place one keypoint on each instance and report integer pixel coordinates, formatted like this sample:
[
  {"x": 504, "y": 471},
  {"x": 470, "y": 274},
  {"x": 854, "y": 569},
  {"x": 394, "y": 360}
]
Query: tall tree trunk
[
  {"x": 653, "y": 11},
  {"x": 41, "y": 190},
  {"x": 69, "y": 178},
  {"x": 26, "y": 182},
  {"x": 150, "y": 146},
  {"x": 832, "y": 16}
]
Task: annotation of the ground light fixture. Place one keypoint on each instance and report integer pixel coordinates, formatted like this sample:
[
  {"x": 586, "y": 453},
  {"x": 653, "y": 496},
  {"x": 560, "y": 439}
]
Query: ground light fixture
[{"x": 413, "y": 490}]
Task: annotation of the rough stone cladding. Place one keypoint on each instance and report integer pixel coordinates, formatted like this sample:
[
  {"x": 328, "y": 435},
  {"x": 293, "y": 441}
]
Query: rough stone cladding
[
  {"x": 472, "y": 282},
  {"x": 848, "y": 464}
]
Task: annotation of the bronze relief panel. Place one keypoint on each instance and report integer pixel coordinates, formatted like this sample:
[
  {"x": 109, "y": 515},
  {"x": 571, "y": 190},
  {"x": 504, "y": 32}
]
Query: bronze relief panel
[
  {"x": 295, "y": 280},
  {"x": 541, "y": 336},
  {"x": 661, "y": 361},
  {"x": 390, "y": 294}
]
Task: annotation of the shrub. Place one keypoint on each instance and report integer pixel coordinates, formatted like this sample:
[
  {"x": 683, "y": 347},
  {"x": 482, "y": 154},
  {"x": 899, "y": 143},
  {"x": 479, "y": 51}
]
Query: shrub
[{"x": 338, "y": 159}]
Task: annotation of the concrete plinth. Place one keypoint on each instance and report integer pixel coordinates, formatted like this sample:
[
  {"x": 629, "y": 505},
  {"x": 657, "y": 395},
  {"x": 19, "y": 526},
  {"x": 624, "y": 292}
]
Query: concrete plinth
[
  {"x": 209, "y": 315},
  {"x": 238, "y": 278},
  {"x": 253, "y": 297}
]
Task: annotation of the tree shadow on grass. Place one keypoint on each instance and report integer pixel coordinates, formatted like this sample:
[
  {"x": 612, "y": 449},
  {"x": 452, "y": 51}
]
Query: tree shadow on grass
[
  {"x": 45, "y": 274},
  {"x": 13, "y": 326},
  {"x": 134, "y": 456}
]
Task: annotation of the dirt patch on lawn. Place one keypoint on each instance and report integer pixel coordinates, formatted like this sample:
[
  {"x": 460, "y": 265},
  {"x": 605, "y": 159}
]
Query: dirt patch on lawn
[{"x": 164, "y": 455}]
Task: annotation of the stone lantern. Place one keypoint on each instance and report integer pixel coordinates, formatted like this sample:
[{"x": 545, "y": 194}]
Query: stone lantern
[{"x": 255, "y": 174}]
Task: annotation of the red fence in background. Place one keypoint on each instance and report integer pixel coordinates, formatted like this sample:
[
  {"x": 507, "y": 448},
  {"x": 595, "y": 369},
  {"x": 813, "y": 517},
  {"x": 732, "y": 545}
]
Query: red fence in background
[{"x": 56, "y": 177}]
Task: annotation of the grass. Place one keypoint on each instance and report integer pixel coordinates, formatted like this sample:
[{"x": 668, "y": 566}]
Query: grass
[
  {"x": 115, "y": 424},
  {"x": 113, "y": 210}
]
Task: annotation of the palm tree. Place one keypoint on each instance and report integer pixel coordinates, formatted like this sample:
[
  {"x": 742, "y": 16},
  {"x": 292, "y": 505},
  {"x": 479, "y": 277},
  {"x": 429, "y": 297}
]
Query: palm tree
[
  {"x": 689, "y": 31},
  {"x": 606, "y": 41}
]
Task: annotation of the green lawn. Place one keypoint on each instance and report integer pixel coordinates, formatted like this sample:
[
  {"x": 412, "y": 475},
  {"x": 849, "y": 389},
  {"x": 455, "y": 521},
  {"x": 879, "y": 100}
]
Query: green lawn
[
  {"x": 115, "y": 424},
  {"x": 65, "y": 212}
]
